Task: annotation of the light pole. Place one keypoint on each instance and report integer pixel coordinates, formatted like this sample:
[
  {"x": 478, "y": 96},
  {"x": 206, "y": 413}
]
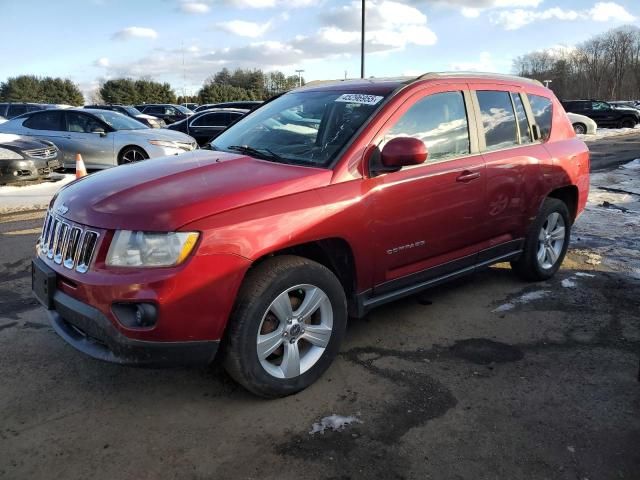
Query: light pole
[
  {"x": 299, "y": 72},
  {"x": 362, "y": 44},
  {"x": 547, "y": 82}
]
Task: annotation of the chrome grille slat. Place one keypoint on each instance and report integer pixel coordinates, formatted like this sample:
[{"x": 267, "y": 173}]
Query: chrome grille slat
[
  {"x": 46, "y": 153},
  {"x": 67, "y": 244}
]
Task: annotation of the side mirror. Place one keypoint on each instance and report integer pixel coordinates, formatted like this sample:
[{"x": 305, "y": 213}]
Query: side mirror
[
  {"x": 100, "y": 131},
  {"x": 402, "y": 152}
]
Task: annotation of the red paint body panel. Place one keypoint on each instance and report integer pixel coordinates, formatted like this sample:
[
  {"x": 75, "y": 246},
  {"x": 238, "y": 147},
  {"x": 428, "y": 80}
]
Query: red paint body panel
[{"x": 246, "y": 208}]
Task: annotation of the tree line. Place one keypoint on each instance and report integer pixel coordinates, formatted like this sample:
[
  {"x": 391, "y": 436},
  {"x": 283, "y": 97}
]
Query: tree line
[
  {"x": 605, "y": 67},
  {"x": 31, "y": 88}
]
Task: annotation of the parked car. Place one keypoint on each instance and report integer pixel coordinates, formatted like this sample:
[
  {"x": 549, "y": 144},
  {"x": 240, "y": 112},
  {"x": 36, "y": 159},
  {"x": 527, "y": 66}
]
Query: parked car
[
  {"x": 190, "y": 106},
  {"x": 2, "y": 119},
  {"x": 104, "y": 138},
  {"x": 11, "y": 110},
  {"x": 603, "y": 113},
  {"x": 167, "y": 112},
  {"x": 24, "y": 158},
  {"x": 244, "y": 104},
  {"x": 133, "y": 112},
  {"x": 582, "y": 125},
  {"x": 273, "y": 238},
  {"x": 626, "y": 103},
  {"x": 206, "y": 125}
]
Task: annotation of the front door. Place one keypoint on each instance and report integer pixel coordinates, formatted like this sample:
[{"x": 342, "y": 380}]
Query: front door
[
  {"x": 427, "y": 218},
  {"x": 84, "y": 137}
]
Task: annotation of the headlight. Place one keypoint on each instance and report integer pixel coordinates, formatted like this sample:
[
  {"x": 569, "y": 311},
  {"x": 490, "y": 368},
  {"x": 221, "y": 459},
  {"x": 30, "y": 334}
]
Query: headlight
[
  {"x": 150, "y": 249},
  {"x": 6, "y": 154},
  {"x": 164, "y": 143}
]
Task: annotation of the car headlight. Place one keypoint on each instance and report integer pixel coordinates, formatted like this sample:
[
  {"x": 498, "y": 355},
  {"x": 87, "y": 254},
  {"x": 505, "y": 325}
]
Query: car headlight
[
  {"x": 150, "y": 249},
  {"x": 164, "y": 143},
  {"x": 6, "y": 154}
]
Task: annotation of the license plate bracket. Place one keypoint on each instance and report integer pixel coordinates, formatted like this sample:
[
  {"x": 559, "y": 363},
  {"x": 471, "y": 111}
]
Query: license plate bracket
[{"x": 43, "y": 283}]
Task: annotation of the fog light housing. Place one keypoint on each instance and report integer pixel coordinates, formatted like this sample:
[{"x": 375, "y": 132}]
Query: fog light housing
[{"x": 136, "y": 315}]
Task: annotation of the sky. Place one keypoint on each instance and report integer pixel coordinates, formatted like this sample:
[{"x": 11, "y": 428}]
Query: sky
[{"x": 183, "y": 42}]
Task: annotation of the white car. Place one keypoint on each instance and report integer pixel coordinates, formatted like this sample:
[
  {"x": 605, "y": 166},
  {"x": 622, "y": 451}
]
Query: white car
[{"x": 582, "y": 125}]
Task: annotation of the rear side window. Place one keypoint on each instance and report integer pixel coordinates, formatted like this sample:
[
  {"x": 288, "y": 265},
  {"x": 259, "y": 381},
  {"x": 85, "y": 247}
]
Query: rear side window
[
  {"x": 542, "y": 113},
  {"x": 521, "y": 117},
  {"x": 498, "y": 119},
  {"x": 440, "y": 121},
  {"x": 212, "y": 120},
  {"x": 15, "y": 110},
  {"x": 45, "y": 120}
]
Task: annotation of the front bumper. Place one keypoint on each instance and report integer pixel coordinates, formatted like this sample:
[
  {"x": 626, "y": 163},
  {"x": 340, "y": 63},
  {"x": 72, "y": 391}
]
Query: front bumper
[
  {"x": 86, "y": 329},
  {"x": 25, "y": 169}
]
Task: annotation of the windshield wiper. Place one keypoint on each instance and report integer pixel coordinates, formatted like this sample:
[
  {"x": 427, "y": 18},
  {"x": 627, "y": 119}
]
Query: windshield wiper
[{"x": 261, "y": 153}]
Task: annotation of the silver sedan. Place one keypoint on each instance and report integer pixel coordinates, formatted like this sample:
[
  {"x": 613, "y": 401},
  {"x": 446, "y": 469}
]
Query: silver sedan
[{"x": 103, "y": 138}]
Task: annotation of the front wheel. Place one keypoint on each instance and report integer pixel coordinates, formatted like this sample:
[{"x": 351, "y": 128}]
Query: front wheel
[
  {"x": 580, "y": 128},
  {"x": 131, "y": 155},
  {"x": 627, "y": 123},
  {"x": 547, "y": 242},
  {"x": 287, "y": 326}
]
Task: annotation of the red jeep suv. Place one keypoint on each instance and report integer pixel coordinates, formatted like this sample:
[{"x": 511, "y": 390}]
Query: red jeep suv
[{"x": 321, "y": 204}]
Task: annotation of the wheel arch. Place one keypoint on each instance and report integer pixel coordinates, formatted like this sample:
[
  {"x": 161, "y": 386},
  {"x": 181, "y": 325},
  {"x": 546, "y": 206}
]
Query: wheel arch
[{"x": 569, "y": 196}]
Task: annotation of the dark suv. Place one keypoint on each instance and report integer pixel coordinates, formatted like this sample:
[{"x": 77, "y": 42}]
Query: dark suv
[
  {"x": 603, "y": 113},
  {"x": 128, "y": 110},
  {"x": 10, "y": 110},
  {"x": 332, "y": 200},
  {"x": 166, "y": 111}
]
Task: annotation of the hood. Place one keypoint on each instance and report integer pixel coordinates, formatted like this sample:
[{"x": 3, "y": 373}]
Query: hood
[
  {"x": 166, "y": 193},
  {"x": 160, "y": 134},
  {"x": 627, "y": 109},
  {"x": 146, "y": 117},
  {"x": 9, "y": 140}
]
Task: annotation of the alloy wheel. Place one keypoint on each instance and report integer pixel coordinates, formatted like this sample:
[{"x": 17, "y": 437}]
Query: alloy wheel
[
  {"x": 551, "y": 240},
  {"x": 133, "y": 155},
  {"x": 295, "y": 331}
]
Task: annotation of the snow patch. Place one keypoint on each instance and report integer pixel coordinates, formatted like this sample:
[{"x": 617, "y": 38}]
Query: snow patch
[
  {"x": 522, "y": 299},
  {"x": 505, "y": 307},
  {"x": 634, "y": 165},
  {"x": 609, "y": 132},
  {"x": 333, "y": 422},
  {"x": 569, "y": 283},
  {"x": 32, "y": 197},
  {"x": 584, "y": 274}
]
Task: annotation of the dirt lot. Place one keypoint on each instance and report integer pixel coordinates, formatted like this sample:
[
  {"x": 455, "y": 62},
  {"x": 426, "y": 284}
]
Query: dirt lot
[{"x": 488, "y": 377}]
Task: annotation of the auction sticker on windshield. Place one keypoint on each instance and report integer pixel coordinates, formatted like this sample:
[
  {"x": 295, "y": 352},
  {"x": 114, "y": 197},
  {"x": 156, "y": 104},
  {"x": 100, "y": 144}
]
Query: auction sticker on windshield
[{"x": 359, "y": 98}]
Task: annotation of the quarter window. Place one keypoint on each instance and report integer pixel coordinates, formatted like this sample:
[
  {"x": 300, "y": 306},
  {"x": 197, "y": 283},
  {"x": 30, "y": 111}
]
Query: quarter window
[
  {"x": 521, "y": 117},
  {"x": 498, "y": 119},
  {"x": 542, "y": 113},
  {"x": 47, "y": 120},
  {"x": 440, "y": 121}
]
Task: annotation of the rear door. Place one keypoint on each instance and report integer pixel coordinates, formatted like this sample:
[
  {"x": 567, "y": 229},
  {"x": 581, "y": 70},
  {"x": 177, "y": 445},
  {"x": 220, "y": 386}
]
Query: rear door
[
  {"x": 47, "y": 125},
  {"x": 84, "y": 138},
  {"x": 427, "y": 218},
  {"x": 513, "y": 167},
  {"x": 604, "y": 115}
]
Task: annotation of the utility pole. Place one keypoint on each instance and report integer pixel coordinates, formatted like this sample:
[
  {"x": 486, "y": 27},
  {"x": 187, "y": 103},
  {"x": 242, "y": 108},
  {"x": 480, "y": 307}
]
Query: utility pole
[
  {"x": 362, "y": 44},
  {"x": 299, "y": 72},
  {"x": 547, "y": 82}
]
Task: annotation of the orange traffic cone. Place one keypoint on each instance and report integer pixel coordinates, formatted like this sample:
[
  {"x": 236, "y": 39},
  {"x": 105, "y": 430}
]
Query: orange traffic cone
[{"x": 81, "y": 170}]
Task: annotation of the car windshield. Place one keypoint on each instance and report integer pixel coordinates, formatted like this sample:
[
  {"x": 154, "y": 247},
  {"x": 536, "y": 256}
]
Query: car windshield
[
  {"x": 132, "y": 111},
  {"x": 118, "y": 121},
  {"x": 307, "y": 128},
  {"x": 183, "y": 109}
]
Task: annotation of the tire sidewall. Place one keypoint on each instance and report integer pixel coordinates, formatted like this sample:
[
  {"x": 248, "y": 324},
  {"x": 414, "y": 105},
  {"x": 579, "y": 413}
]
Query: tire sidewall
[{"x": 251, "y": 315}]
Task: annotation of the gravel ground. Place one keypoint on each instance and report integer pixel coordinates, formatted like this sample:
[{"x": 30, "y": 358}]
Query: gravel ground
[{"x": 484, "y": 378}]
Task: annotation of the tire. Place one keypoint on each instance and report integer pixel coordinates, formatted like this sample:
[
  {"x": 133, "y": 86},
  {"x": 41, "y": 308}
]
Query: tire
[
  {"x": 265, "y": 316},
  {"x": 131, "y": 155},
  {"x": 542, "y": 255},
  {"x": 580, "y": 128},
  {"x": 628, "y": 123}
]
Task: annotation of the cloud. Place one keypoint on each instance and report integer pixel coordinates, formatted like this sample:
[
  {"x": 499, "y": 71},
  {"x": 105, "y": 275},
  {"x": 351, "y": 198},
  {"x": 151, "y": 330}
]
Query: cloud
[
  {"x": 135, "y": 32},
  {"x": 471, "y": 12},
  {"x": 483, "y": 64},
  {"x": 244, "y": 29},
  {"x": 601, "y": 12},
  {"x": 102, "y": 62},
  {"x": 193, "y": 7}
]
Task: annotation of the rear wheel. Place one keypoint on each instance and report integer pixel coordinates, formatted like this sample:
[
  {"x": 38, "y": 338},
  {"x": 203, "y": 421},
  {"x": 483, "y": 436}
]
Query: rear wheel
[
  {"x": 131, "y": 155},
  {"x": 627, "y": 123},
  {"x": 580, "y": 128},
  {"x": 547, "y": 242},
  {"x": 287, "y": 326}
]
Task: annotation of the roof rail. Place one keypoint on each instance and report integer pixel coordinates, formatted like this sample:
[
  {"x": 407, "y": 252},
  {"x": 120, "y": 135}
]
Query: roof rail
[{"x": 487, "y": 75}]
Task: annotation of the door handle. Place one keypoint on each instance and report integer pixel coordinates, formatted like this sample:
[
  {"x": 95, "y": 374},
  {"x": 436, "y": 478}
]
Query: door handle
[{"x": 467, "y": 176}]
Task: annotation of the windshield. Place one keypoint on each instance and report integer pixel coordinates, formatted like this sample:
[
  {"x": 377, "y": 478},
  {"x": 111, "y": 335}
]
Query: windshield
[
  {"x": 119, "y": 121},
  {"x": 183, "y": 109},
  {"x": 307, "y": 128},
  {"x": 132, "y": 111}
]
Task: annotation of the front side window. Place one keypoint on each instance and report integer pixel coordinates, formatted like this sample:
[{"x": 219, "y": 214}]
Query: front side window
[
  {"x": 46, "y": 120},
  {"x": 498, "y": 119},
  {"x": 521, "y": 116},
  {"x": 440, "y": 121},
  {"x": 307, "y": 127},
  {"x": 600, "y": 106},
  {"x": 78, "y": 123},
  {"x": 211, "y": 120},
  {"x": 542, "y": 113}
]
